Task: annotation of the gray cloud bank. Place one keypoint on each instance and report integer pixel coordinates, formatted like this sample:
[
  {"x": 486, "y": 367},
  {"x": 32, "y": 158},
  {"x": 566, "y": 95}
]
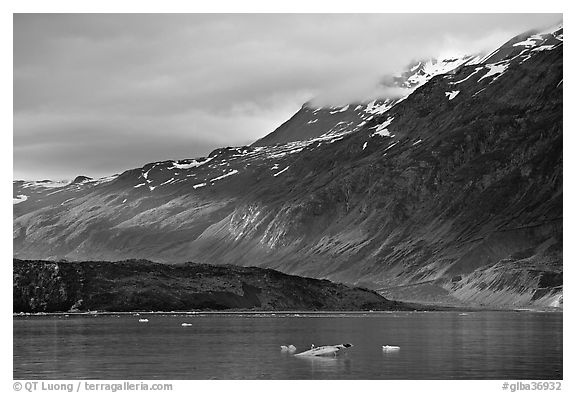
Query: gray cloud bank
[{"x": 96, "y": 94}]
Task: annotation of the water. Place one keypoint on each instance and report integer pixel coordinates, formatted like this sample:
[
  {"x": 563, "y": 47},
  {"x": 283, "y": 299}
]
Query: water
[{"x": 433, "y": 345}]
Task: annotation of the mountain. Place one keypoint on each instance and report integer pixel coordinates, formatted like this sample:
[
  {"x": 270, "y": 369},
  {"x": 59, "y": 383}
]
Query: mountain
[
  {"x": 313, "y": 122},
  {"x": 43, "y": 286},
  {"x": 452, "y": 194}
]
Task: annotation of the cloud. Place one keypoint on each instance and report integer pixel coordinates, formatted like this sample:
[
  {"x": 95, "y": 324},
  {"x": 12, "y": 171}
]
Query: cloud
[{"x": 99, "y": 93}]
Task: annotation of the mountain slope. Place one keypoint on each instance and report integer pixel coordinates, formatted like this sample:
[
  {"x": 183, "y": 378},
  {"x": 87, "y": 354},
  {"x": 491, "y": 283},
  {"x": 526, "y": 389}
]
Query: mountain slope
[
  {"x": 313, "y": 122},
  {"x": 456, "y": 189}
]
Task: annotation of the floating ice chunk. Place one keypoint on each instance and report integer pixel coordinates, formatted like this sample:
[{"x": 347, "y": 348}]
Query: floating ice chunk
[
  {"x": 199, "y": 185},
  {"x": 451, "y": 94},
  {"x": 289, "y": 348}
]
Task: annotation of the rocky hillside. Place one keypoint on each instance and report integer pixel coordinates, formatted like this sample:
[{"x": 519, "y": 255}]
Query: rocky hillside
[
  {"x": 453, "y": 194},
  {"x": 42, "y": 286}
]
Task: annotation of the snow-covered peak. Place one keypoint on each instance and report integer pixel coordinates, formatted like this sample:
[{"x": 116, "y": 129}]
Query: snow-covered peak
[
  {"x": 522, "y": 45},
  {"x": 424, "y": 70}
]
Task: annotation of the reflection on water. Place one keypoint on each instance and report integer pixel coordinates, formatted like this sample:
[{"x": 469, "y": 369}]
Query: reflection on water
[
  {"x": 320, "y": 364},
  {"x": 433, "y": 345}
]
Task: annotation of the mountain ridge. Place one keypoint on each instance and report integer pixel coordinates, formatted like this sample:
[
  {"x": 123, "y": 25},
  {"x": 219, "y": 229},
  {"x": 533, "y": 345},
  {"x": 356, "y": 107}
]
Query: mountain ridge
[{"x": 458, "y": 186}]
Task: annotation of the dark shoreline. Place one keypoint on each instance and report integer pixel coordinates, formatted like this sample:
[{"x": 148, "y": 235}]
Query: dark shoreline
[
  {"x": 141, "y": 286},
  {"x": 288, "y": 312},
  {"x": 144, "y": 286}
]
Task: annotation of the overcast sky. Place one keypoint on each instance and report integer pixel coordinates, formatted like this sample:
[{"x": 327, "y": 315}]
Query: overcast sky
[{"x": 96, "y": 94}]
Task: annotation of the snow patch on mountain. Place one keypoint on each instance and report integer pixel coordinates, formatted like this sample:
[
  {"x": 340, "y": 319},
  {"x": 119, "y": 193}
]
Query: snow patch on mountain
[
  {"x": 451, "y": 94},
  {"x": 225, "y": 175},
  {"x": 343, "y": 109},
  {"x": 415, "y": 67},
  {"x": 19, "y": 199},
  {"x": 495, "y": 69},
  {"x": 391, "y": 145},
  {"x": 105, "y": 179},
  {"x": 381, "y": 129},
  {"x": 528, "y": 42},
  {"x": 468, "y": 77},
  {"x": 282, "y": 171},
  {"x": 46, "y": 183},
  {"x": 433, "y": 67},
  {"x": 188, "y": 165},
  {"x": 543, "y": 48},
  {"x": 377, "y": 107}
]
